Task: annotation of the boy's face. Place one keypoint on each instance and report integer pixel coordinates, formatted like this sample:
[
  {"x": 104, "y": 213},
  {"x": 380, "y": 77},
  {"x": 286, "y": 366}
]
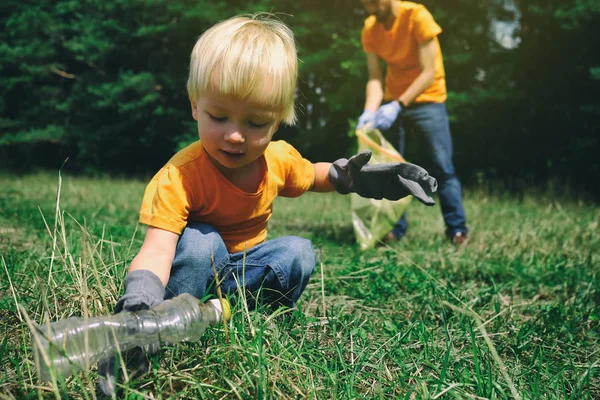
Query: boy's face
[{"x": 234, "y": 132}]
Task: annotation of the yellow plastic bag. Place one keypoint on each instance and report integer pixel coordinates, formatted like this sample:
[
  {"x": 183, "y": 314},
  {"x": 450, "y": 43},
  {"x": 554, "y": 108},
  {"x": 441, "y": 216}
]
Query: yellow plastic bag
[{"x": 373, "y": 219}]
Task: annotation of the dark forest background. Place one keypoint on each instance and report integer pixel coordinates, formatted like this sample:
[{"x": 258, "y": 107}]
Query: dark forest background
[{"x": 102, "y": 83}]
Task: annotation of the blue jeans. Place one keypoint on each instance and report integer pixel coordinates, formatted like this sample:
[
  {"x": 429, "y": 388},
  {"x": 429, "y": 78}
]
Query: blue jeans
[
  {"x": 275, "y": 271},
  {"x": 431, "y": 121}
]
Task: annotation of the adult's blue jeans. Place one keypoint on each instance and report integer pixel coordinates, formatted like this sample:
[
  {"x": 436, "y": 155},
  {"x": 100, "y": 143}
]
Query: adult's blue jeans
[
  {"x": 275, "y": 271},
  {"x": 430, "y": 120}
]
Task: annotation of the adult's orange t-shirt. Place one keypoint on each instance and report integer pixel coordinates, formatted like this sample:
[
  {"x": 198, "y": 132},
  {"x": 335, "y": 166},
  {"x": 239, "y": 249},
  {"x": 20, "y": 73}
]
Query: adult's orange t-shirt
[{"x": 399, "y": 48}]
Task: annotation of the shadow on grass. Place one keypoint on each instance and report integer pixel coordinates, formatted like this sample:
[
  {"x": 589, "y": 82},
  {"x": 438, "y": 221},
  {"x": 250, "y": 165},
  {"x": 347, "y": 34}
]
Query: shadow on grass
[{"x": 326, "y": 232}]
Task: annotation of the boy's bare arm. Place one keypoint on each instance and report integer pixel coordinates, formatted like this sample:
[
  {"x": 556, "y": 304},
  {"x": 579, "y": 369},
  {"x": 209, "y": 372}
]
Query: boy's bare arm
[
  {"x": 157, "y": 253},
  {"x": 321, "y": 182}
]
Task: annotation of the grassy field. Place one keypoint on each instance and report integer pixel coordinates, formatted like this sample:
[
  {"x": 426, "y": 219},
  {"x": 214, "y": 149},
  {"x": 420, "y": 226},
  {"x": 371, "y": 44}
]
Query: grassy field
[{"x": 514, "y": 314}]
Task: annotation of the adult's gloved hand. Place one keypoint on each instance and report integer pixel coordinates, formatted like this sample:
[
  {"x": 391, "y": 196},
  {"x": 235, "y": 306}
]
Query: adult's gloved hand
[
  {"x": 387, "y": 114},
  {"x": 391, "y": 181},
  {"x": 367, "y": 117},
  {"x": 143, "y": 290}
]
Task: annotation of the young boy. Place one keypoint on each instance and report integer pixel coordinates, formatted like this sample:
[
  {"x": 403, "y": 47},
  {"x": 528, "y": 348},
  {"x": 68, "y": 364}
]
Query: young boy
[{"x": 210, "y": 204}]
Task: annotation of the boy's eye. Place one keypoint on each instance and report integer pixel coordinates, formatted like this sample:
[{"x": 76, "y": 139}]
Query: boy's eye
[
  {"x": 257, "y": 125},
  {"x": 217, "y": 119}
]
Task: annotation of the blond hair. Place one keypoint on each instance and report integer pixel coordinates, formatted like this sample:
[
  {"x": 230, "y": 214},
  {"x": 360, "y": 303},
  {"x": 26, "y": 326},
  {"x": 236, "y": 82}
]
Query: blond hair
[{"x": 249, "y": 57}]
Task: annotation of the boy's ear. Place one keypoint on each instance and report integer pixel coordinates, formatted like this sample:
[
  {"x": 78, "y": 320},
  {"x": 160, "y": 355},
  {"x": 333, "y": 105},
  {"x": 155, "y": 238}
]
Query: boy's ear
[
  {"x": 194, "y": 110},
  {"x": 276, "y": 126},
  {"x": 275, "y": 129}
]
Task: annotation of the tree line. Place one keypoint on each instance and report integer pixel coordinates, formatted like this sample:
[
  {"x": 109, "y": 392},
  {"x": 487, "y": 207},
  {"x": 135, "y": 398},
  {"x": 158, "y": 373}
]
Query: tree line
[{"x": 102, "y": 83}]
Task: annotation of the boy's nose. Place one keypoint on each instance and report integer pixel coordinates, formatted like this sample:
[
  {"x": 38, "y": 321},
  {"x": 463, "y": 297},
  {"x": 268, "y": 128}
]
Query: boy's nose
[{"x": 235, "y": 136}]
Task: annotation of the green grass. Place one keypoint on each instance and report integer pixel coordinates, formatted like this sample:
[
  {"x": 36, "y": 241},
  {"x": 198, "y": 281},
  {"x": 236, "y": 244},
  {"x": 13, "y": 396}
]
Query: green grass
[{"x": 516, "y": 313}]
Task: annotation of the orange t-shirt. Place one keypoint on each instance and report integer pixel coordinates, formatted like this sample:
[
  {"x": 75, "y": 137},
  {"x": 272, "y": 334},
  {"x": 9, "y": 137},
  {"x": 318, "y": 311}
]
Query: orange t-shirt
[
  {"x": 190, "y": 188},
  {"x": 399, "y": 48}
]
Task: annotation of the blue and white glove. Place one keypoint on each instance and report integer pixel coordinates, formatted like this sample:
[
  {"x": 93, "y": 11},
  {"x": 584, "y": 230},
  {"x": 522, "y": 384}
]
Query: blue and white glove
[
  {"x": 143, "y": 290},
  {"x": 367, "y": 117},
  {"x": 387, "y": 114}
]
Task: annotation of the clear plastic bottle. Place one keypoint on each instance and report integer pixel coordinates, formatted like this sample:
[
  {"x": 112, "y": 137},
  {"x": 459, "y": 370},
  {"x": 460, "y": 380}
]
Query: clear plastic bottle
[{"x": 74, "y": 344}]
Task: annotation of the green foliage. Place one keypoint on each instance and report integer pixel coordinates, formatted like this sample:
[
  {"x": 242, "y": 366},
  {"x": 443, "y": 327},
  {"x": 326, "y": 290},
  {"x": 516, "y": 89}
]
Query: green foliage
[
  {"x": 530, "y": 111},
  {"x": 103, "y": 83},
  {"x": 111, "y": 75},
  {"x": 555, "y": 57}
]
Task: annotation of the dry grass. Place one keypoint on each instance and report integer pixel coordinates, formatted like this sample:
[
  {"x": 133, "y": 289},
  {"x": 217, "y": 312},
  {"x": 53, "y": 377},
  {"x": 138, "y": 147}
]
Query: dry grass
[{"x": 513, "y": 315}]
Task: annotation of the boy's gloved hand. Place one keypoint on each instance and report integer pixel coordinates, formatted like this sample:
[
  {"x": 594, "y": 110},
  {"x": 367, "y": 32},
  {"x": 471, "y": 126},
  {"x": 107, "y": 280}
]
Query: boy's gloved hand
[
  {"x": 391, "y": 181},
  {"x": 387, "y": 114},
  {"x": 143, "y": 290},
  {"x": 367, "y": 117}
]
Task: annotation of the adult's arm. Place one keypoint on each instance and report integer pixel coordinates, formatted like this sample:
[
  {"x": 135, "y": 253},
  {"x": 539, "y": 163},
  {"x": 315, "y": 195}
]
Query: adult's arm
[
  {"x": 427, "y": 53},
  {"x": 157, "y": 253},
  {"x": 374, "y": 90}
]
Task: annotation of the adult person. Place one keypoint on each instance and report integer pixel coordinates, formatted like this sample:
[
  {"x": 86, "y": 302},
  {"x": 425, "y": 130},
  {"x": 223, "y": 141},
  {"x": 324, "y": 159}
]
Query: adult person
[{"x": 404, "y": 36}]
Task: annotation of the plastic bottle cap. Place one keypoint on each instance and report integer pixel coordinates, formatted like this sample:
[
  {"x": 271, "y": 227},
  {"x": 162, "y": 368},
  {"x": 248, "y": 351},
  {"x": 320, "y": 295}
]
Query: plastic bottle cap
[
  {"x": 226, "y": 310},
  {"x": 223, "y": 308}
]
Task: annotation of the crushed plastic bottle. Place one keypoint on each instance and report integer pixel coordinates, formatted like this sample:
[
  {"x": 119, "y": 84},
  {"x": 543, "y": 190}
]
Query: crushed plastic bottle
[{"x": 75, "y": 344}]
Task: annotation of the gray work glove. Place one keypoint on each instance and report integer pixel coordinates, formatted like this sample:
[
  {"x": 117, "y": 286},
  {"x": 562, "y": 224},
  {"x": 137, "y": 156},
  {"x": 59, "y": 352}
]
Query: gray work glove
[
  {"x": 391, "y": 181},
  {"x": 143, "y": 290}
]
